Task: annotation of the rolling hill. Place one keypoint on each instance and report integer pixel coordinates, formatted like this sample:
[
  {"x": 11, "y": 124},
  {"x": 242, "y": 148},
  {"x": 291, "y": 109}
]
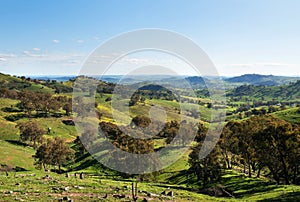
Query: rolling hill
[{"x": 257, "y": 79}]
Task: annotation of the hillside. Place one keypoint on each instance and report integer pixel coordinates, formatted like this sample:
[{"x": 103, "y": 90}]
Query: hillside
[
  {"x": 257, "y": 79},
  {"x": 101, "y": 183},
  {"x": 280, "y": 93},
  {"x": 22, "y": 83}
]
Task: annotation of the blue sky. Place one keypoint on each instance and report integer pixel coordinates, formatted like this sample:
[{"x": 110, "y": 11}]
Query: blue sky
[{"x": 240, "y": 36}]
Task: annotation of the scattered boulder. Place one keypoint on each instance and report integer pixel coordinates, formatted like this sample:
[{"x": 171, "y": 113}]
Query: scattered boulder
[
  {"x": 218, "y": 191},
  {"x": 78, "y": 187},
  {"x": 152, "y": 195},
  {"x": 105, "y": 196},
  {"x": 170, "y": 193},
  {"x": 65, "y": 188},
  {"x": 55, "y": 189},
  {"x": 69, "y": 122},
  {"x": 47, "y": 177},
  {"x": 65, "y": 198},
  {"x": 119, "y": 196}
]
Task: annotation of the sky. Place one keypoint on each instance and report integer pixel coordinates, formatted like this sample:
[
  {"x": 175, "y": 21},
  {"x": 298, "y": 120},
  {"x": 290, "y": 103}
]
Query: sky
[{"x": 240, "y": 36}]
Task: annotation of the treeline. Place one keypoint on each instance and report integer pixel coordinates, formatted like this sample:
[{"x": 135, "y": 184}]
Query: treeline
[
  {"x": 263, "y": 143},
  {"x": 289, "y": 92},
  {"x": 43, "y": 103}
]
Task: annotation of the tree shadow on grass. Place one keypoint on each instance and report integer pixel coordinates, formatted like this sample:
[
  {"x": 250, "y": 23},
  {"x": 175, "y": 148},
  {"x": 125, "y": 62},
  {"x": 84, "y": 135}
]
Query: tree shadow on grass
[
  {"x": 11, "y": 109},
  {"x": 175, "y": 187},
  {"x": 17, "y": 142},
  {"x": 290, "y": 197},
  {"x": 249, "y": 186},
  {"x": 15, "y": 117},
  {"x": 179, "y": 178}
]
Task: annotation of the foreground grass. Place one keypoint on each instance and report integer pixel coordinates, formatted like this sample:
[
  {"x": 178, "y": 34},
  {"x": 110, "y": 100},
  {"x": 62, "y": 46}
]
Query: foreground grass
[
  {"x": 33, "y": 186},
  {"x": 254, "y": 189},
  {"x": 29, "y": 186}
]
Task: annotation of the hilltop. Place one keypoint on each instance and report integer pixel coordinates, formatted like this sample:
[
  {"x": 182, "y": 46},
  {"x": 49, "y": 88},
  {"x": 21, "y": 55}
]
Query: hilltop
[{"x": 257, "y": 79}]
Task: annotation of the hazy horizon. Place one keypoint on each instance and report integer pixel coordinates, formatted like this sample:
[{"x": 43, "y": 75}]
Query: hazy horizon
[{"x": 118, "y": 75}]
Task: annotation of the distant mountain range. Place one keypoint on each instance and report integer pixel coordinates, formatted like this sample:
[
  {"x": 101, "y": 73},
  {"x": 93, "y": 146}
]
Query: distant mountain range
[
  {"x": 283, "y": 92},
  {"x": 266, "y": 80},
  {"x": 195, "y": 82}
]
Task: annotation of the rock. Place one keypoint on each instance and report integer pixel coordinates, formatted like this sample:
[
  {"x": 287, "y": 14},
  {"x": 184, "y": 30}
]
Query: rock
[
  {"x": 78, "y": 187},
  {"x": 65, "y": 198},
  {"x": 66, "y": 188},
  {"x": 19, "y": 199},
  {"x": 55, "y": 188},
  {"x": 163, "y": 193},
  {"x": 218, "y": 191},
  {"x": 18, "y": 184},
  {"x": 47, "y": 177},
  {"x": 170, "y": 193},
  {"x": 119, "y": 196},
  {"x": 152, "y": 195},
  {"x": 106, "y": 195}
]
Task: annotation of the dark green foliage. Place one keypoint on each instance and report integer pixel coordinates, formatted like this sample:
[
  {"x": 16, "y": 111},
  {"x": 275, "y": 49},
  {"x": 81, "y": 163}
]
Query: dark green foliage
[
  {"x": 266, "y": 142},
  {"x": 53, "y": 152},
  {"x": 31, "y": 131},
  {"x": 141, "y": 121},
  {"x": 285, "y": 92}
]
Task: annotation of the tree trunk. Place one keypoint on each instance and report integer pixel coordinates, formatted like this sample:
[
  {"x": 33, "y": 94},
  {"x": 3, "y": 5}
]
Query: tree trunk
[
  {"x": 133, "y": 192},
  {"x": 258, "y": 172},
  {"x": 249, "y": 169},
  {"x": 285, "y": 171},
  {"x": 205, "y": 177},
  {"x": 136, "y": 190}
]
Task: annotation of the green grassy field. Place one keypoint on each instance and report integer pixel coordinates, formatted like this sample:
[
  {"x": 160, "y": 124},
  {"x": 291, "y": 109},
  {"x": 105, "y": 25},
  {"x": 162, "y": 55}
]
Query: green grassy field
[
  {"x": 291, "y": 115},
  {"x": 30, "y": 185}
]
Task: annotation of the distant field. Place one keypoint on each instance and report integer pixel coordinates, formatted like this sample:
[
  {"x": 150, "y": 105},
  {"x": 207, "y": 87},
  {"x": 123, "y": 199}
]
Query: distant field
[{"x": 291, "y": 115}]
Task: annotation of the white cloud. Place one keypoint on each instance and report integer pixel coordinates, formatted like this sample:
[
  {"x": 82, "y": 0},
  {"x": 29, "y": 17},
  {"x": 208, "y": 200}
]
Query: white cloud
[
  {"x": 7, "y": 55},
  {"x": 80, "y": 41},
  {"x": 36, "y": 49},
  {"x": 30, "y": 54},
  {"x": 56, "y": 41}
]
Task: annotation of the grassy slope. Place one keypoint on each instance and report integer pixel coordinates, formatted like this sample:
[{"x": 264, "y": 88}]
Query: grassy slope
[
  {"x": 91, "y": 189},
  {"x": 19, "y": 84},
  {"x": 38, "y": 189},
  {"x": 291, "y": 115},
  {"x": 13, "y": 155}
]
